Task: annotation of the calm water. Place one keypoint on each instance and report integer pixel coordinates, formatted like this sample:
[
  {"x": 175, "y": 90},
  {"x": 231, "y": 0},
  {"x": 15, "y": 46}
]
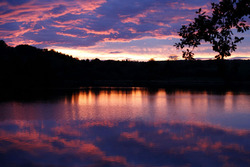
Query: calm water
[{"x": 125, "y": 127}]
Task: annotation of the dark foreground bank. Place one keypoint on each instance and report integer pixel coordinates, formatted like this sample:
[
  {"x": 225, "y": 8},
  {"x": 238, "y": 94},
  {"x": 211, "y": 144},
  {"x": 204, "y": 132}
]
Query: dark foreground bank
[{"x": 25, "y": 66}]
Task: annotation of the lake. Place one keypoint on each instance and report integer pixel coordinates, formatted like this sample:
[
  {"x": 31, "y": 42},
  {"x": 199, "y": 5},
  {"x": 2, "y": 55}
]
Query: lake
[{"x": 125, "y": 127}]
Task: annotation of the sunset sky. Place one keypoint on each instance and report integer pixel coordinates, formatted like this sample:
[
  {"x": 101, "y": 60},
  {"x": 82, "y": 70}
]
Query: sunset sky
[{"x": 105, "y": 29}]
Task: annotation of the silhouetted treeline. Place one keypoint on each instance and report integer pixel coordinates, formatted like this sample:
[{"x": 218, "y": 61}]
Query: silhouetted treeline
[{"x": 25, "y": 66}]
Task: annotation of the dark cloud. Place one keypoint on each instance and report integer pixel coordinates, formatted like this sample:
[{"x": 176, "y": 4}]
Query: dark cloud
[
  {"x": 11, "y": 26},
  {"x": 17, "y": 2},
  {"x": 115, "y": 52},
  {"x": 59, "y": 9}
]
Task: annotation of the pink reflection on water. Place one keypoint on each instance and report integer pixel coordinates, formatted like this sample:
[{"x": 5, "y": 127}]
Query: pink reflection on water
[
  {"x": 114, "y": 143},
  {"x": 227, "y": 109}
]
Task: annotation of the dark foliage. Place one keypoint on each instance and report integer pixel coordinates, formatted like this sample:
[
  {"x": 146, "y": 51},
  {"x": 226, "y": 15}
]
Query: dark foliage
[
  {"x": 216, "y": 29},
  {"x": 25, "y": 66}
]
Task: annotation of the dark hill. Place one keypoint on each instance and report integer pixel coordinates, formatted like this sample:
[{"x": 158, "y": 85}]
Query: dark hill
[{"x": 26, "y": 66}]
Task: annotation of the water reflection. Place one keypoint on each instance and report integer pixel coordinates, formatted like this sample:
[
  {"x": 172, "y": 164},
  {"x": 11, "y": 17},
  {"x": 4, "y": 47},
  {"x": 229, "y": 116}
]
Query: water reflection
[{"x": 127, "y": 127}]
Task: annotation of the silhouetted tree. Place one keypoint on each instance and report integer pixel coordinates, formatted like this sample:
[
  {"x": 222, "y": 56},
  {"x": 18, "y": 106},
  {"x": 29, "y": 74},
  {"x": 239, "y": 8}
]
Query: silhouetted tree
[
  {"x": 216, "y": 29},
  {"x": 3, "y": 45},
  {"x": 151, "y": 60}
]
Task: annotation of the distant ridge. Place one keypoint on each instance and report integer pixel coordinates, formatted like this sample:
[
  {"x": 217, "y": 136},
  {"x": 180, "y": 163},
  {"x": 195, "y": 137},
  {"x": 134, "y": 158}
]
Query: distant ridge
[{"x": 26, "y": 66}]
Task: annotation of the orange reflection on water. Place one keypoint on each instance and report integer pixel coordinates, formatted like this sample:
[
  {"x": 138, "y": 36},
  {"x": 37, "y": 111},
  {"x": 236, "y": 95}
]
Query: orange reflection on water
[
  {"x": 106, "y": 104},
  {"x": 136, "y": 104}
]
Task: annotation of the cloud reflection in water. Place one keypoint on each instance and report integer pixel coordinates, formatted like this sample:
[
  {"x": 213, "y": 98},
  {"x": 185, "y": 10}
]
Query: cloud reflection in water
[
  {"x": 48, "y": 134},
  {"x": 121, "y": 144}
]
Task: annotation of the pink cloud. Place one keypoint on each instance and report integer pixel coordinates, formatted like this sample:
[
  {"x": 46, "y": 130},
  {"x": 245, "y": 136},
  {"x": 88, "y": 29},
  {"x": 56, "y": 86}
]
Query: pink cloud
[
  {"x": 107, "y": 32},
  {"x": 68, "y": 35},
  {"x": 135, "y": 136}
]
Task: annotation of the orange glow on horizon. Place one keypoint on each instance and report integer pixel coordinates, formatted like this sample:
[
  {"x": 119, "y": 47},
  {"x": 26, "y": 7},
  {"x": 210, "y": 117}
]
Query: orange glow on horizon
[{"x": 91, "y": 54}]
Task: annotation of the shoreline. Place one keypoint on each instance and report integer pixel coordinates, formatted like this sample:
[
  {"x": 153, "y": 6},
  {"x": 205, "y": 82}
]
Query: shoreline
[
  {"x": 151, "y": 87},
  {"x": 171, "y": 84}
]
